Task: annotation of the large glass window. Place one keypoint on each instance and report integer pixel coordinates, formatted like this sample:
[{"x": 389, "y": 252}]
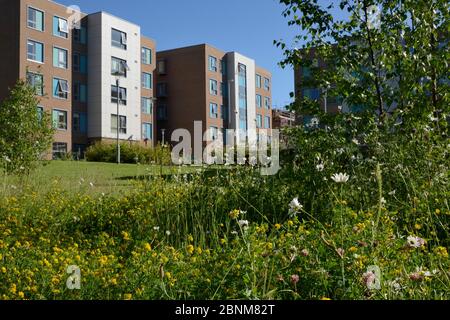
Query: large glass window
[
  {"x": 35, "y": 19},
  {"x": 79, "y": 122},
  {"x": 311, "y": 93},
  {"x": 118, "y": 67},
  {"x": 79, "y": 92},
  {"x": 80, "y": 35},
  {"x": 258, "y": 121},
  {"x": 223, "y": 67},
  {"x": 146, "y": 55},
  {"x": 267, "y": 102},
  {"x": 36, "y": 81},
  {"x": 60, "y": 27},
  {"x": 35, "y": 51},
  {"x": 60, "y": 58},
  {"x": 122, "y": 95},
  {"x": 224, "y": 112},
  {"x": 118, "y": 39},
  {"x": 59, "y": 150},
  {"x": 213, "y": 87},
  {"x": 122, "y": 124},
  {"x": 242, "y": 71},
  {"x": 267, "y": 84},
  {"x": 212, "y": 64},
  {"x": 213, "y": 131},
  {"x": 258, "y": 81},
  {"x": 60, "y": 88},
  {"x": 147, "y": 131},
  {"x": 147, "y": 80},
  {"x": 147, "y": 105},
  {"x": 258, "y": 101},
  {"x": 267, "y": 122},
  {"x": 161, "y": 90},
  {"x": 59, "y": 118},
  {"x": 213, "y": 110}
]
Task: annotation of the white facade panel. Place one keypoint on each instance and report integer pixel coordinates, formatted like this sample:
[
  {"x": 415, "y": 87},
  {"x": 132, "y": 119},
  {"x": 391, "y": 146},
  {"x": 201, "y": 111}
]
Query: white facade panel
[{"x": 100, "y": 79}]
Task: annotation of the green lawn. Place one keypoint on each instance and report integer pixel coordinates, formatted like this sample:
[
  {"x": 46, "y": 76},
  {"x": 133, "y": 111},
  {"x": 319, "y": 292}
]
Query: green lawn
[{"x": 82, "y": 176}]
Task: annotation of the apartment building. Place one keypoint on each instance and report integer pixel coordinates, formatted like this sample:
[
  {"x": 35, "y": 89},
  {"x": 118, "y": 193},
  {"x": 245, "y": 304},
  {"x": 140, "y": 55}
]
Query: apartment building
[
  {"x": 223, "y": 90},
  {"x": 304, "y": 89},
  {"x": 75, "y": 72},
  {"x": 283, "y": 118}
]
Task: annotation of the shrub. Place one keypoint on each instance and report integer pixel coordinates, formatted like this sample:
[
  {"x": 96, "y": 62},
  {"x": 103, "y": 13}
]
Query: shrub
[{"x": 129, "y": 153}]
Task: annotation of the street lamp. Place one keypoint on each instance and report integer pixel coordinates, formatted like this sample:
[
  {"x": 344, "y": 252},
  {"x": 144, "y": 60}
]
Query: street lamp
[{"x": 123, "y": 68}]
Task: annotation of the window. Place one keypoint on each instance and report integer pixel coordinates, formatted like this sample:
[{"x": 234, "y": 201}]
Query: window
[
  {"x": 213, "y": 87},
  {"x": 118, "y": 39},
  {"x": 40, "y": 113},
  {"x": 79, "y": 150},
  {"x": 79, "y": 63},
  {"x": 35, "y": 51},
  {"x": 161, "y": 90},
  {"x": 36, "y": 81},
  {"x": 306, "y": 72},
  {"x": 266, "y": 84},
  {"x": 147, "y": 105},
  {"x": 213, "y": 110},
  {"x": 35, "y": 19},
  {"x": 60, "y": 88},
  {"x": 267, "y": 122},
  {"x": 258, "y": 81},
  {"x": 146, "y": 56},
  {"x": 122, "y": 124},
  {"x": 80, "y": 35},
  {"x": 147, "y": 131},
  {"x": 162, "y": 112},
  {"x": 147, "y": 80},
  {"x": 258, "y": 121},
  {"x": 59, "y": 118},
  {"x": 59, "y": 150},
  {"x": 60, "y": 27},
  {"x": 311, "y": 93},
  {"x": 223, "y": 67},
  {"x": 60, "y": 58},
  {"x": 161, "y": 67},
  {"x": 79, "y": 92},
  {"x": 122, "y": 95},
  {"x": 213, "y": 131},
  {"x": 223, "y": 89},
  {"x": 79, "y": 122},
  {"x": 258, "y": 101},
  {"x": 224, "y": 112},
  {"x": 267, "y": 102},
  {"x": 212, "y": 64},
  {"x": 118, "y": 67}
]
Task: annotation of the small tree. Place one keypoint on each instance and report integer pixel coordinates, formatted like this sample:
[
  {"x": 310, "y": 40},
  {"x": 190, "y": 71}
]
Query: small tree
[{"x": 25, "y": 132}]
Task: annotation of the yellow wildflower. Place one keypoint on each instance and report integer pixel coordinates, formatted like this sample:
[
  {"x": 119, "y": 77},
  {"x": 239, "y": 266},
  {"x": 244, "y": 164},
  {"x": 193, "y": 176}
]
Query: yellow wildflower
[
  {"x": 127, "y": 296},
  {"x": 13, "y": 289},
  {"x": 21, "y": 295},
  {"x": 278, "y": 226},
  {"x": 147, "y": 247},
  {"x": 441, "y": 251},
  {"x": 234, "y": 214},
  {"x": 190, "y": 249}
]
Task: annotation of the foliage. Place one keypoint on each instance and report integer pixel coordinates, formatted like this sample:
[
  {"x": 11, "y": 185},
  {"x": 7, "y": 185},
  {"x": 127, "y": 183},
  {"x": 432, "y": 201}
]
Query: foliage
[
  {"x": 129, "y": 153},
  {"x": 25, "y": 134},
  {"x": 192, "y": 238}
]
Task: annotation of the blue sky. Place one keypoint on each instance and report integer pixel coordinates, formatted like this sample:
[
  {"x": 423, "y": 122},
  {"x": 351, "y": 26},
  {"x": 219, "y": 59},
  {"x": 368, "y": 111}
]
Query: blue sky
[{"x": 246, "y": 26}]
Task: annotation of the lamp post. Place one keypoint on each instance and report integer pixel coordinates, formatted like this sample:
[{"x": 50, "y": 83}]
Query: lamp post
[
  {"x": 123, "y": 68},
  {"x": 118, "y": 121}
]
